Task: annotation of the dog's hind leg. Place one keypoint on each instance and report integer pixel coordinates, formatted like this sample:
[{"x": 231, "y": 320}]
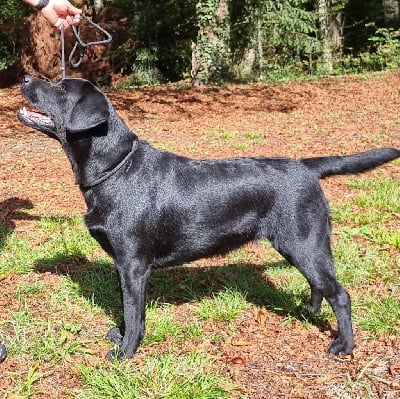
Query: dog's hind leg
[
  {"x": 133, "y": 280},
  {"x": 314, "y": 306},
  {"x": 313, "y": 258}
]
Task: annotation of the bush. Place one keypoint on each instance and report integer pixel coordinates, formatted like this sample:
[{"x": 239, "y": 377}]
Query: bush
[
  {"x": 384, "y": 54},
  {"x": 11, "y": 35}
]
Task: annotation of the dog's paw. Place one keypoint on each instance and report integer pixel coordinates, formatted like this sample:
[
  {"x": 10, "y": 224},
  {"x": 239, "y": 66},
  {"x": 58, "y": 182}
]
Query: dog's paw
[
  {"x": 115, "y": 336},
  {"x": 340, "y": 347},
  {"x": 313, "y": 309}
]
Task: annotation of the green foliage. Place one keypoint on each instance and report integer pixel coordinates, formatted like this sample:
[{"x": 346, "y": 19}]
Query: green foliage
[
  {"x": 383, "y": 53},
  {"x": 11, "y": 37},
  {"x": 360, "y": 17},
  {"x": 217, "y": 40},
  {"x": 211, "y": 60},
  {"x": 12, "y": 9},
  {"x": 140, "y": 64},
  {"x": 156, "y": 45},
  {"x": 281, "y": 33},
  {"x": 387, "y": 45}
]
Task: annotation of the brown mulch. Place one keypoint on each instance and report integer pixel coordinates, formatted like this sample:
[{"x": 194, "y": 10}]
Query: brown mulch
[{"x": 329, "y": 116}]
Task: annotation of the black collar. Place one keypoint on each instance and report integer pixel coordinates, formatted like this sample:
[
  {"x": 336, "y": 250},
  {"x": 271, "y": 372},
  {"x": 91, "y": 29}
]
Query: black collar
[{"x": 114, "y": 170}]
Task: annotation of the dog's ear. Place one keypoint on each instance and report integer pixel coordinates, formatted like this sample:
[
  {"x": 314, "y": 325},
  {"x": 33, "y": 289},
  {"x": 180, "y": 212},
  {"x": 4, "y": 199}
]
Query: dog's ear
[{"x": 90, "y": 111}]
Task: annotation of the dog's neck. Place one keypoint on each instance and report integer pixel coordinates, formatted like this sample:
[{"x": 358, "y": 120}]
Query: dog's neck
[
  {"x": 98, "y": 154},
  {"x": 107, "y": 174}
]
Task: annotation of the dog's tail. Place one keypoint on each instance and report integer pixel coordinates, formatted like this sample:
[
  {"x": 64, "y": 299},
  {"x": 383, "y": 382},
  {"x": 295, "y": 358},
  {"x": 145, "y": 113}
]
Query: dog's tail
[{"x": 351, "y": 164}]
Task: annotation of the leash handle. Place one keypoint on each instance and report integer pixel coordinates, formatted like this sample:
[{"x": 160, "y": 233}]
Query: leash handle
[
  {"x": 83, "y": 46},
  {"x": 80, "y": 44}
]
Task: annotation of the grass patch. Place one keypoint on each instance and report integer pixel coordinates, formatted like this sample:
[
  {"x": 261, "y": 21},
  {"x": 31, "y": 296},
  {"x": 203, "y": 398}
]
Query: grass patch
[
  {"x": 24, "y": 387},
  {"x": 166, "y": 147},
  {"x": 367, "y": 252},
  {"x": 160, "y": 324},
  {"x": 379, "y": 314},
  {"x": 224, "y": 306},
  {"x": 374, "y": 211},
  {"x": 160, "y": 376},
  {"x": 234, "y": 139},
  {"x": 55, "y": 238}
]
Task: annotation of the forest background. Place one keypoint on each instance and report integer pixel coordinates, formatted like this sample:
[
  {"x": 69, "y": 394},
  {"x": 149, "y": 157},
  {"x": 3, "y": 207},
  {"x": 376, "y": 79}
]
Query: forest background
[{"x": 212, "y": 41}]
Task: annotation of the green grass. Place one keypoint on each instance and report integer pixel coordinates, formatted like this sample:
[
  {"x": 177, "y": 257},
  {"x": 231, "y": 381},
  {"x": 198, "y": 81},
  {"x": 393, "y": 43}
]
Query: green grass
[
  {"x": 170, "y": 147},
  {"x": 223, "y": 306},
  {"x": 367, "y": 252},
  {"x": 62, "y": 320},
  {"x": 160, "y": 324},
  {"x": 161, "y": 376},
  {"x": 58, "y": 238},
  {"x": 24, "y": 386},
  {"x": 372, "y": 210},
  {"x": 234, "y": 139}
]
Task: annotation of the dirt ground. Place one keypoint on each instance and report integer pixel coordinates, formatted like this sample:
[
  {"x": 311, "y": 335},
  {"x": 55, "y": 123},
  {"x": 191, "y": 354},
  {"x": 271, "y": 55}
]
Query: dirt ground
[{"x": 330, "y": 116}]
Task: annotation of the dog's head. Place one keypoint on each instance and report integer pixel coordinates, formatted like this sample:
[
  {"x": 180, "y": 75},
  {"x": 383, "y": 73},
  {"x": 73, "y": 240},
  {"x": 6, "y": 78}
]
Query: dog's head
[
  {"x": 68, "y": 107},
  {"x": 83, "y": 120}
]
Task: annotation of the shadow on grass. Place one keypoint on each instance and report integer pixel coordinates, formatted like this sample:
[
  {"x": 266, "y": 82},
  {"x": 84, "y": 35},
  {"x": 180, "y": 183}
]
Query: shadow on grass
[
  {"x": 11, "y": 210},
  {"x": 98, "y": 282}
]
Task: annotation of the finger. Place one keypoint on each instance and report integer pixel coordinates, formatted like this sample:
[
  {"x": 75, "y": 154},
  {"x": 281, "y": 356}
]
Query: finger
[
  {"x": 61, "y": 22},
  {"x": 69, "y": 20},
  {"x": 75, "y": 19},
  {"x": 58, "y": 23}
]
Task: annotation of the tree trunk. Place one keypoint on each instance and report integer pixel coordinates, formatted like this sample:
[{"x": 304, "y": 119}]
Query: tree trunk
[
  {"x": 260, "y": 52},
  {"x": 331, "y": 31},
  {"x": 324, "y": 26},
  {"x": 391, "y": 13},
  {"x": 211, "y": 56}
]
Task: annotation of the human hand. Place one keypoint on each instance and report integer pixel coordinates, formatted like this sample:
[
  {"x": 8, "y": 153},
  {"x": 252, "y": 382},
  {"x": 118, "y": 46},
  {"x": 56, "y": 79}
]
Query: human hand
[{"x": 61, "y": 13}]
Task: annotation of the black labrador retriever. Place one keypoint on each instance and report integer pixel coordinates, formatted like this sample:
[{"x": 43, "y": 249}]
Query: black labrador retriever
[{"x": 150, "y": 208}]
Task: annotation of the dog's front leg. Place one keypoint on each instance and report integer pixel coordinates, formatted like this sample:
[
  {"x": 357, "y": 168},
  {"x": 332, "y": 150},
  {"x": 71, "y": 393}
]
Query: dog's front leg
[{"x": 133, "y": 278}]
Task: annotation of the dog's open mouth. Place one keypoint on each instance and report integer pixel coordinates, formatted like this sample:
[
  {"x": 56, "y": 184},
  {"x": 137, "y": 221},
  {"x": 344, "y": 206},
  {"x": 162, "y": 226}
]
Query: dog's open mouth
[{"x": 36, "y": 119}]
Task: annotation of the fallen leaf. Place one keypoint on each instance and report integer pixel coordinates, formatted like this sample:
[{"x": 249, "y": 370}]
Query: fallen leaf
[
  {"x": 237, "y": 360},
  {"x": 262, "y": 317},
  {"x": 240, "y": 342}
]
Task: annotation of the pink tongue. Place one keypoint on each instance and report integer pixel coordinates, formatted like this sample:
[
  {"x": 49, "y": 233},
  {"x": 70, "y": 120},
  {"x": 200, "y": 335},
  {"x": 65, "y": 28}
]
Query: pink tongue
[
  {"x": 38, "y": 115},
  {"x": 35, "y": 114}
]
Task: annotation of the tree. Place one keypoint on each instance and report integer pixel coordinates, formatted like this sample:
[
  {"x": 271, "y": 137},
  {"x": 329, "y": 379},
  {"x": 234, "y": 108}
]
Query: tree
[
  {"x": 155, "y": 46},
  {"x": 211, "y": 55},
  {"x": 330, "y": 14},
  {"x": 323, "y": 13},
  {"x": 273, "y": 35}
]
